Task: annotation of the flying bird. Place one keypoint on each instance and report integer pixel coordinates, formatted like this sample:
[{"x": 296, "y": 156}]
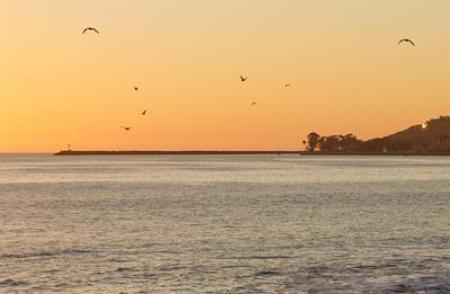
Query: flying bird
[
  {"x": 136, "y": 88},
  {"x": 254, "y": 103},
  {"x": 287, "y": 85},
  {"x": 91, "y": 29},
  {"x": 126, "y": 128},
  {"x": 407, "y": 41},
  {"x": 243, "y": 79},
  {"x": 144, "y": 112}
]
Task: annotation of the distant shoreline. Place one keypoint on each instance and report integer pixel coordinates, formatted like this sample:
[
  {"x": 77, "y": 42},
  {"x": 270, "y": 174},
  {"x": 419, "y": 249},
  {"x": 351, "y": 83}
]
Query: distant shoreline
[
  {"x": 245, "y": 152},
  {"x": 181, "y": 152}
]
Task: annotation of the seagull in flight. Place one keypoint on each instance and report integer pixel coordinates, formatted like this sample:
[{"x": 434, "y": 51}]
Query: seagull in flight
[
  {"x": 136, "y": 88},
  {"x": 126, "y": 128},
  {"x": 144, "y": 112},
  {"x": 254, "y": 103},
  {"x": 243, "y": 79},
  {"x": 287, "y": 85},
  {"x": 91, "y": 29},
  {"x": 407, "y": 41}
]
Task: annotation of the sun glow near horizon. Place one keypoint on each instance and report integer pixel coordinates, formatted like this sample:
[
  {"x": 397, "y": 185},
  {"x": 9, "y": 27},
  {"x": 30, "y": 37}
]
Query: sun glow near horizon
[{"x": 346, "y": 71}]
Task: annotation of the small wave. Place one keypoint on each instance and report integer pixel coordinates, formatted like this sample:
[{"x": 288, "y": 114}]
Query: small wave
[
  {"x": 236, "y": 266},
  {"x": 372, "y": 267},
  {"x": 46, "y": 253},
  {"x": 12, "y": 283},
  {"x": 434, "y": 286},
  {"x": 268, "y": 273},
  {"x": 171, "y": 268},
  {"x": 62, "y": 285},
  {"x": 124, "y": 269},
  {"x": 27, "y": 255},
  {"x": 117, "y": 259},
  {"x": 257, "y": 257}
]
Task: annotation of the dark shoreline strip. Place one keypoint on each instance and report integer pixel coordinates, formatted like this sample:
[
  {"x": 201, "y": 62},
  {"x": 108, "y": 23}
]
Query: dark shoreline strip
[
  {"x": 157, "y": 152},
  {"x": 247, "y": 152}
]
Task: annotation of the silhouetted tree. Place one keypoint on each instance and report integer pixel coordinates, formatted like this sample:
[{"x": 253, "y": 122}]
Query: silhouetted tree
[
  {"x": 313, "y": 139},
  {"x": 304, "y": 144},
  {"x": 350, "y": 143},
  {"x": 321, "y": 143},
  {"x": 330, "y": 143}
]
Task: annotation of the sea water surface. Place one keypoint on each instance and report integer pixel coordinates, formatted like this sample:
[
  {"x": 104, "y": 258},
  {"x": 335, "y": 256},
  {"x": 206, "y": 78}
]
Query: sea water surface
[{"x": 224, "y": 224}]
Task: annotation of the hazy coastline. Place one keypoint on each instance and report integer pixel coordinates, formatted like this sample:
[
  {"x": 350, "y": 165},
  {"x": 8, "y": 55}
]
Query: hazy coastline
[{"x": 244, "y": 152}]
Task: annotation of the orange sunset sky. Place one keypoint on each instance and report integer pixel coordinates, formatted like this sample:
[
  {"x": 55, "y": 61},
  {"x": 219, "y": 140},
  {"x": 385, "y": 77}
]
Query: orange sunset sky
[{"x": 59, "y": 87}]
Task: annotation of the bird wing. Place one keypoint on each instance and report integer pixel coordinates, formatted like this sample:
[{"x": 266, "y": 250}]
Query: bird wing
[
  {"x": 406, "y": 40},
  {"x": 91, "y": 29}
]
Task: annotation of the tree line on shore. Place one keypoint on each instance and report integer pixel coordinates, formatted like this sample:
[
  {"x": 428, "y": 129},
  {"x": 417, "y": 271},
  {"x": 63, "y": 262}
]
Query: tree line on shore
[
  {"x": 432, "y": 136},
  {"x": 350, "y": 143}
]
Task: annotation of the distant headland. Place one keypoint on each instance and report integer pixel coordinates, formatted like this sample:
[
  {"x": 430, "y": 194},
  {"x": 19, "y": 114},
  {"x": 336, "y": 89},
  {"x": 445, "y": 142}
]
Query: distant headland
[{"x": 429, "y": 138}]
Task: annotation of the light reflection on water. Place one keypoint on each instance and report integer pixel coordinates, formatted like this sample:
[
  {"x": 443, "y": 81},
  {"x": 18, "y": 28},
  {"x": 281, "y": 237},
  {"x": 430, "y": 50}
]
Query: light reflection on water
[{"x": 224, "y": 223}]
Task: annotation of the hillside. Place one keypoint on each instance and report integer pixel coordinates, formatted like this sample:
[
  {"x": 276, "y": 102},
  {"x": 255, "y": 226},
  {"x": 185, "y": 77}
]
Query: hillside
[{"x": 432, "y": 137}]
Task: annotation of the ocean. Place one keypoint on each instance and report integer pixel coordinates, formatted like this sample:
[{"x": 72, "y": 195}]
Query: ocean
[{"x": 224, "y": 224}]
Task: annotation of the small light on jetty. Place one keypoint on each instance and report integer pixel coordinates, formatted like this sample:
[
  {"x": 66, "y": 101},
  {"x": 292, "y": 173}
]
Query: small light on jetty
[{"x": 424, "y": 125}]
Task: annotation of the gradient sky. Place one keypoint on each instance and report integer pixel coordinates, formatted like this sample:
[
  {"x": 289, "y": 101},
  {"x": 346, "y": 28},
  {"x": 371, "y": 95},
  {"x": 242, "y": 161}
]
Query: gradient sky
[{"x": 58, "y": 86}]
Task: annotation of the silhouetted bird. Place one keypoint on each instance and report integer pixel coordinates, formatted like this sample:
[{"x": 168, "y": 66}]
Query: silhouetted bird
[
  {"x": 407, "y": 41},
  {"x": 243, "y": 79},
  {"x": 91, "y": 29},
  {"x": 126, "y": 128},
  {"x": 144, "y": 112},
  {"x": 287, "y": 85},
  {"x": 254, "y": 103},
  {"x": 136, "y": 88}
]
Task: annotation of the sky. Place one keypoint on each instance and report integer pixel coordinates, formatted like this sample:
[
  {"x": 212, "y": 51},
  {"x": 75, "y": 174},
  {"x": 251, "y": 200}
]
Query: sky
[{"x": 348, "y": 75}]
